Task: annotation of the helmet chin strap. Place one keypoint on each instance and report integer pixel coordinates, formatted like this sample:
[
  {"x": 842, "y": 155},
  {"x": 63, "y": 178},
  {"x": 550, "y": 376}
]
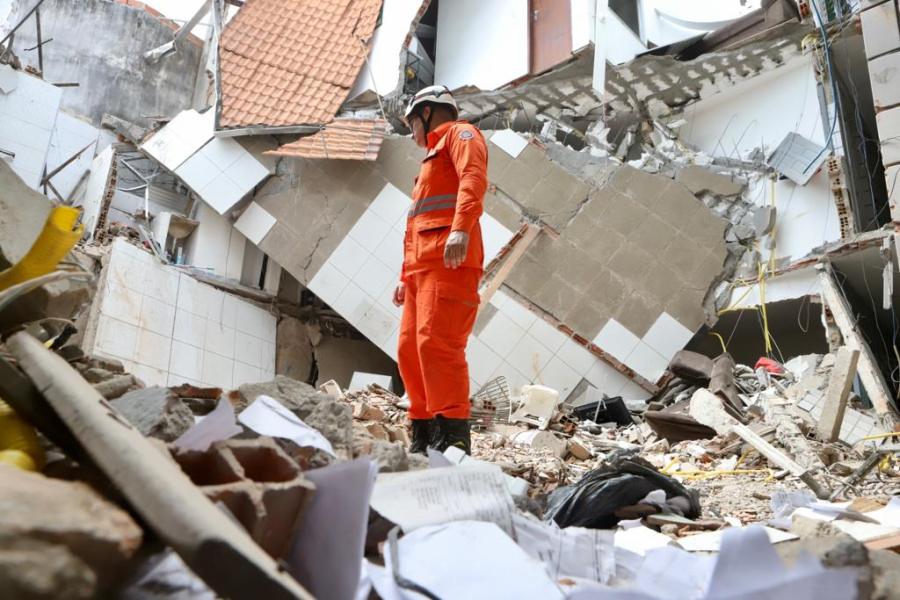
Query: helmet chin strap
[{"x": 427, "y": 124}]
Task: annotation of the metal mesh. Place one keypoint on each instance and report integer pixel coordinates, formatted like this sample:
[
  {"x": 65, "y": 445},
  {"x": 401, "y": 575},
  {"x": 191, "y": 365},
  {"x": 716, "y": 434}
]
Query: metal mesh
[{"x": 491, "y": 404}]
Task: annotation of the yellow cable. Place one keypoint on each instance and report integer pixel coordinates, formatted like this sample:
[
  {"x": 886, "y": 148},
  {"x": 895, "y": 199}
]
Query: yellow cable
[
  {"x": 19, "y": 445},
  {"x": 774, "y": 226},
  {"x": 724, "y": 349},
  {"x": 879, "y": 436},
  {"x": 883, "y": 463},
  {"x": 743, "y": 456}
]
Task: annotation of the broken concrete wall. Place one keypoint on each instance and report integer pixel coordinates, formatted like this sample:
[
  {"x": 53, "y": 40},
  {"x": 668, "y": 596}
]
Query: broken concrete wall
[{"x": 99, "y": 45}]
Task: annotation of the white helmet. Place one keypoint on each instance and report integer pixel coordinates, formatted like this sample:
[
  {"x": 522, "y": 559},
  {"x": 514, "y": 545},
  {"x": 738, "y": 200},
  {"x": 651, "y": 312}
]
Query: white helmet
[{"x": 436, "y": 94}]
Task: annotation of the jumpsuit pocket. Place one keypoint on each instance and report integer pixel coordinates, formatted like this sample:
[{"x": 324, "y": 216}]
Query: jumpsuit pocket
[
  {"x": 455, "y": 309},
  {"x": 430, "y": 243}
]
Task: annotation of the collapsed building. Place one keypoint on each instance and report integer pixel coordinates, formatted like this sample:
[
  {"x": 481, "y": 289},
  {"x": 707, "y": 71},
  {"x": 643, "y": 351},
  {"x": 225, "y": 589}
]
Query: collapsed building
[{"x": 662, "y": 181}]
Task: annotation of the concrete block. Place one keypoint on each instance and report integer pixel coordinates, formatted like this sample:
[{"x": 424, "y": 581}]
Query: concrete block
[
  {"x": 599, "y": 200},
  {"x": 881, "y": 31},
  {"x": 624, "y": 215},
  {"x": 579, "y": 269},
  {"x": 653, "y": 235},
  {"x": 659, "y": 281},
  {"x": 706, "y": 272},
  {"x": 706, "y": 227},
  {"x": 556, "y": 295},
  {"x": 259, "y": 483},
  {"x": 528, "y": 275},
  {"x": 60, "y": 531},
  {"x": 600, "y": 243},
  {"x": 884, "y": 73},
  {"x": 536, "y": 161},
  {"x": 678, "y": 206},
  {"x": 586, "y": 317},
  {"x": 638, "y": 313},
  {"x": 700, "y": 180},
  {"x": 518, "y": 180},
  {"x": 686, "y": 305},
  {"x": 683, "y": 255},
  {"x": 889, "y": 133},
  {"x": 608, "y": 291},
  {"x": 622, "y": 177},
  {"x": 647, "y": 189},
  {"x": 498, "y": 160},
  {"x": 630, "y": 262},
  {"x": 155, "y": 412}
]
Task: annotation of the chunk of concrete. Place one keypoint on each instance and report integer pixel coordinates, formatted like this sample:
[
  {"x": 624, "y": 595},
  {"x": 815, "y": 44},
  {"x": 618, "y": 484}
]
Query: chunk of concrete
[
  {"x": 68, "y": 515},
  {"x": 700, "y": 180},
  {"x": 298, "y": 397},
  {"x": 32, "y": 569},
  {"x": 155, "y": 412},
  {"x": 117, "y": 385}
]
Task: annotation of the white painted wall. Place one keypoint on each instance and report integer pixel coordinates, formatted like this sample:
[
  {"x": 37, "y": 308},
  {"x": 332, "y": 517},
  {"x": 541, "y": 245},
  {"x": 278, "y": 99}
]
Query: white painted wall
[
  {"x": 69, "y": 136},
  {"x": 623, "y": 45},
  {"x": 215, "y": 243},
  {"x": 387, "y": 44},
  {"x": 95, "y": 190},
  {"x": 27, "y": 118},
  {"x": 668, "y": 21},
  {"x": 757, "y": 113},
  {"x": 483, "y": 44},
  {"x": 582, "y": 23},
  {"x": 9, "y": 15}
]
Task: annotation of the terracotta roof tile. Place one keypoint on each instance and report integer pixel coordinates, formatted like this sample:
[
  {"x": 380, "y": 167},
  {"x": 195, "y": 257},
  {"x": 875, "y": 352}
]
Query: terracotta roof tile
[
  {"x": 346, "y": 139},
  {"x": 292, "y": 62}
]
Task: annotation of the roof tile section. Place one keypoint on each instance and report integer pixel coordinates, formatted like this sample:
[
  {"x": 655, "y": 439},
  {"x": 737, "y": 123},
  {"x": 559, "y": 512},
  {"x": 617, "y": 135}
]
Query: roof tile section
[
  {"x": 347, "y": 139},
  {"x": 292, "y": 62}
]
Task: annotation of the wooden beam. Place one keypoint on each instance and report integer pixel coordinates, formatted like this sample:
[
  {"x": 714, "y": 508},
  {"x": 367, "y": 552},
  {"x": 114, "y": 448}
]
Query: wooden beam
[
  {"x": 40, "y": 43},
  {"x": 530, "y": 233},
  {"x": 869, "y": 372},
  {"x": 842, "y": 376}
]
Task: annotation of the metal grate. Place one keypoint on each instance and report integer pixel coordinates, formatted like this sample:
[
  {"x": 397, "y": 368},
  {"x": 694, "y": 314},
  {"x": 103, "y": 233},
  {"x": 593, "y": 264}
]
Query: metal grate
[{"x": 491, "y": 404}]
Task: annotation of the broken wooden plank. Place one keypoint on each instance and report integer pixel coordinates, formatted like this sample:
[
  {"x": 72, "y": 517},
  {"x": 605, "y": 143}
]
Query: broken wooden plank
[
  {"x": 842, "y": 376},
  {"x": 869, "y": 372},
  {"x": 530, "y": 233},
  {"x": 215, "y": 547}
]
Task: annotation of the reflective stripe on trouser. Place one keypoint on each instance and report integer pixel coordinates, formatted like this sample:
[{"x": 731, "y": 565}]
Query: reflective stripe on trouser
[{"x": 438, "y": 315}]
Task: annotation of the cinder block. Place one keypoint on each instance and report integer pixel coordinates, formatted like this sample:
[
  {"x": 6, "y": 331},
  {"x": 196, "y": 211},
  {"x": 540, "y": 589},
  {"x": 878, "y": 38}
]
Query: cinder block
[
  {"x": 258, "y": 482},
  {"x": 880, "y": 30},
  {"x": 889, "y": 133},
  {"x": 884, "y": 73}
]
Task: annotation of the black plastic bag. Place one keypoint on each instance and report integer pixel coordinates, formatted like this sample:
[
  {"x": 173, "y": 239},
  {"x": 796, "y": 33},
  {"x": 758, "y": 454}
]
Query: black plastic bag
[{"x": 624, "y": 481}]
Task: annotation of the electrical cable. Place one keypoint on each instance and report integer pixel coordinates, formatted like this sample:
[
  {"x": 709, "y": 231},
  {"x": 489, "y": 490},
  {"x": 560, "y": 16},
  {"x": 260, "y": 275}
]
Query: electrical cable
[{"x": 833, "y": 86}]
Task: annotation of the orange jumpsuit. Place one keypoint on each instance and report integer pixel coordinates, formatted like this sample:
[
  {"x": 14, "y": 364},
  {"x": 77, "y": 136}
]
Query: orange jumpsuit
[{"x": 440, "y": 303}]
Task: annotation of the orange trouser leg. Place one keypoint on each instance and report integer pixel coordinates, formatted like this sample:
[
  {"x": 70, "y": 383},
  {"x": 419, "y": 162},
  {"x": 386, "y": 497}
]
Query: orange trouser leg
[{"x": 438, "y": 316}]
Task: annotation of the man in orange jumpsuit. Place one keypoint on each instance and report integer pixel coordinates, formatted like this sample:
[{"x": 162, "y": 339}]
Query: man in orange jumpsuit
[{"x": 442, "y": 265}]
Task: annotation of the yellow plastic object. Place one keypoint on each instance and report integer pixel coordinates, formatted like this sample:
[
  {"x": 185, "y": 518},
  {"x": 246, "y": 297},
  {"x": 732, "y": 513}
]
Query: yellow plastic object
[
  {"x": 56, "y": 239},
  {"x": 19, "y": 444}
]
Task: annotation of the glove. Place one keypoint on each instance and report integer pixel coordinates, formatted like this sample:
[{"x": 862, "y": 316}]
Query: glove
[{"x": 456, "y": 249}]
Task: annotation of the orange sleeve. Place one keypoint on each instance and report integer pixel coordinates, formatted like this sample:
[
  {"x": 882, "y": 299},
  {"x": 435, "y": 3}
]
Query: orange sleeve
[{"x": 468, "y": 151}]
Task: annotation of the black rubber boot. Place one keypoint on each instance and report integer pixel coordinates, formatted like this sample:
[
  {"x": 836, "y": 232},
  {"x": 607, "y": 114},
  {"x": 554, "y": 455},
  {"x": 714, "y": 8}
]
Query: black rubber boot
[
  {"x": 423, "y": 433},
  {"x": 453, "y": 432}
]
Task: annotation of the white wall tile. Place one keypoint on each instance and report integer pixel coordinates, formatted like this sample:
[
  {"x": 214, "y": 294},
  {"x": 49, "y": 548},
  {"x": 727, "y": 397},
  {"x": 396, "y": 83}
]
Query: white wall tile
[
  {"x": 370, "y": 230},
  {"x": 161, "y": 283},
  {"x": 509, "y": 141},
  {"x": 248, "y": 349},
  {"x": 122, "y": 303},
  {"x": 247, "y": 172},
  {"x": 348, "y": 257},
  {"x": 529, "y": 356},
  {"x": 576, "y": 356},
  {"x": 215, "y": 305},
  {"x": 267, "y": 362},
  {"x": 245, "y": 374},
  {"x": 174, "y": 380},
  {"x": 499, "y": 299},
  {"x": 667, "y": 336},
  {"x": 352, "y": 303},
  {"x": 269, "y": 328},
  {"x": 186, "y": 360},
  {"x": 549, "y": 335},
  {"x": 192, "y": 296},
  {"x": 633, "y": 391},
  {"x": 606, "y": 379},
  {"x": 197, "y": 171},
  {"x": 152, "y": 350},
  {"x": 520, "y": 315},
  {"x": 217, "y": 371},
  {"x": 616, "y": 340},
  {"x": 157, "y": 316},
  {"x": 501, "y": 334},
  {"x": 126, "y": 270},
  {"x": 561, "y": 377},
  {"x": 116, "y": 338},
  {"x": 390, "y": 346},
  {"x": 222, "y": 152},
  {"x": 514, "y": 379},
  {"x": 328, "y": 284},
  {"x": 248, "y": 319},
  {"x": 189, "y": 328},
  {"x": 374, "y": 277},
  {"x": 181, "y": 137},
  {"x": 149, "y": 375},
  {"x": 255, "y": 223},
  {"x": 219, "y": 339},
  {"x": 221, "y": 194},
  {"x": 386, "y": 300},
  {"x": 390, "y": 204},
  {"x": 228, "y": 317},
  {"x": 647, "y": 362},
  {"x": 482, "y": 360},
  {"x": 494, "y": 236},
  {"x": 390, "y": 250},
  {"x": 377, "y": 324}
]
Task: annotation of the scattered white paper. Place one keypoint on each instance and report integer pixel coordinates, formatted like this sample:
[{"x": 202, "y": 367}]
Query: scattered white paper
[
  {"x": 479, "y": 561},
  {"x": 436, "y": 460},
  {"x": 641, "y": 540},
  {"x": 711, "y": 541},
  {"x": 569, "y": 552},
  {"x": 217, "y": 425},
  {"x": 434, "y": 496},
  {"x": 266, "y": 416},
  {"x": 864, "y": 532},
  {"x": 889, "y": 515},
  {"x": 517, "y": 486},
  {"x": 326, "y": 555}
]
